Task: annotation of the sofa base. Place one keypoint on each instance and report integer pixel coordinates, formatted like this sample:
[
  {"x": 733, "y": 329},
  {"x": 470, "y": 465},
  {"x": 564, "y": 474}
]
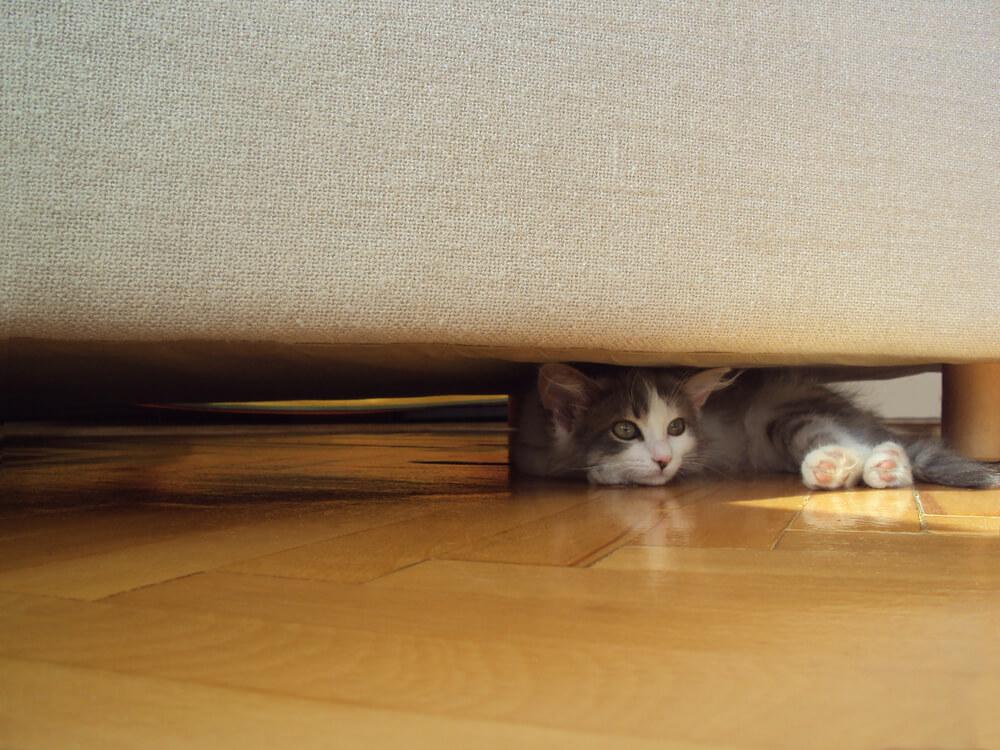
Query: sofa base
[{"x": 970, "y": 410}]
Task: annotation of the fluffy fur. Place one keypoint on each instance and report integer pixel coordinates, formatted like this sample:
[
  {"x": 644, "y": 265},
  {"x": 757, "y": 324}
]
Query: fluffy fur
[{"x": 719, "y": 422}]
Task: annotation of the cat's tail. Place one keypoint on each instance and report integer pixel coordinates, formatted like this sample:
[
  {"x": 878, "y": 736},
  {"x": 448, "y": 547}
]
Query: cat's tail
[{"x": 934, "y": 463}]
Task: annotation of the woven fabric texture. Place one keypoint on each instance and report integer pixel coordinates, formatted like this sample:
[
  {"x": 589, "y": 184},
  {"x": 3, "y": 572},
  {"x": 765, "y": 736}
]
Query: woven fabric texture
[{"x": 810, "y": 180}]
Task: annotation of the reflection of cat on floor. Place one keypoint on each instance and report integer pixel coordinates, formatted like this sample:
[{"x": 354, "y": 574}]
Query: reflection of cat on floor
[{"x": 647, "y": 426}]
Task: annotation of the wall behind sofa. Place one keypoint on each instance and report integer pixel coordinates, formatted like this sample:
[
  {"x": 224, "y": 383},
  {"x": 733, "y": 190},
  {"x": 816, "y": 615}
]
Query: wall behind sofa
[{"x": 913, "y": 397}]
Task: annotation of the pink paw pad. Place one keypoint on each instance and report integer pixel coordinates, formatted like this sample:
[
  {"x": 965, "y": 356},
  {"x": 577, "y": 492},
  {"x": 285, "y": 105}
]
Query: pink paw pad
[
  {"x": 888, "y": 467},
  {"x": 830, "y": 467},
  {"x": 887, "y": 470}
]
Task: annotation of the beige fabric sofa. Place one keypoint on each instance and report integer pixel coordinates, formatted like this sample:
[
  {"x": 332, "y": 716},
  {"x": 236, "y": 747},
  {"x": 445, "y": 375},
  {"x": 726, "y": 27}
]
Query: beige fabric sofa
[{"x": 284, "y": 200}]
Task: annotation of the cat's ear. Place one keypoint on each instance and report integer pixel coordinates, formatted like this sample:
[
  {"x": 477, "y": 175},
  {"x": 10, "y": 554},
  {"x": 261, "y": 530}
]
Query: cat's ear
[
  {"x": 701, "y": 385},
  {"x": 565, "y": 391}
]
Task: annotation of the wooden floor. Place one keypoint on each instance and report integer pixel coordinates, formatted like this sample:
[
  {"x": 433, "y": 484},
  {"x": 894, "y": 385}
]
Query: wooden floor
[{"x": 303, "y": 587}]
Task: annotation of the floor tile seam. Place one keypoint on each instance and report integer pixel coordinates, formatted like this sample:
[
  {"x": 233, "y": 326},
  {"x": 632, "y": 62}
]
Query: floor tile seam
[
  {"x": 447, "y": 555},
  {"x": 622, "y": 540},
  {"x": 795, "y": 516},
  {"x": 918, "y": 502},
  {"x": 109, "y": 598},
  {"x": 181, "y": 536}
]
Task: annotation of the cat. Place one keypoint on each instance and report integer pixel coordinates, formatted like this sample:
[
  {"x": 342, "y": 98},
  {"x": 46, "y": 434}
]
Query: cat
[{"x": 649, "y": 426}]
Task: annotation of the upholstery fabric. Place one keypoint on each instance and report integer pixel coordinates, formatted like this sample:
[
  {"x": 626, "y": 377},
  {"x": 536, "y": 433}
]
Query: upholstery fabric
[{"x": 773, "y": 182}]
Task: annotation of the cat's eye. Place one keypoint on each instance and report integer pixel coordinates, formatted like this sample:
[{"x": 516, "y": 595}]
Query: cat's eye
[
  {"x": 676, "y": 427},
  {"x": 625, "y": 430}
]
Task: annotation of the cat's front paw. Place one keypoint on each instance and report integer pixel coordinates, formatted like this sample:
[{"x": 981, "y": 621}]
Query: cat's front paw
[
  {"x": 888, "y": 466},
  {"x": 831, "y": 467}
]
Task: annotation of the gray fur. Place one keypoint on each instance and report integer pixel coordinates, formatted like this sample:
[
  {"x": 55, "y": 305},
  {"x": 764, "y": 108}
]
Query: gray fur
[
  {"x": 934, "y": 463},
  {"x": 763, "y": 421},
  {"x": 535, "y": 450}
]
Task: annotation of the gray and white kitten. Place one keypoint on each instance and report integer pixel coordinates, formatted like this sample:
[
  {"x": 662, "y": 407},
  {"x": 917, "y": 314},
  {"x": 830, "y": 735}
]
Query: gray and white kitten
[{"x": 647, "y": 426}]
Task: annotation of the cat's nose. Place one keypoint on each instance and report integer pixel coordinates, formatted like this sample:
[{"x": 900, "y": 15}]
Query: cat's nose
[{"x": 659, "y": 451}]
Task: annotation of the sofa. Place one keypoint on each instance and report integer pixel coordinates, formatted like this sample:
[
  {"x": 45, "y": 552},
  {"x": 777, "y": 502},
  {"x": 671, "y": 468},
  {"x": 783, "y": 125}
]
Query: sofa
[{"x": 275, "y": 200}]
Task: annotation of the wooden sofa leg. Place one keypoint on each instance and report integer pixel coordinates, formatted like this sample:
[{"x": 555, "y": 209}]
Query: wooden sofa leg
[{"x": 970, "y": 410}]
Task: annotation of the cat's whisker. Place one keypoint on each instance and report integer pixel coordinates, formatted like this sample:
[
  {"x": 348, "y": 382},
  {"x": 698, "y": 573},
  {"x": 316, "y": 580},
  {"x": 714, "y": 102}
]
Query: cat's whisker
[
  {"x": 678, "y": 385},
  {"x": 585, "y": 467}
]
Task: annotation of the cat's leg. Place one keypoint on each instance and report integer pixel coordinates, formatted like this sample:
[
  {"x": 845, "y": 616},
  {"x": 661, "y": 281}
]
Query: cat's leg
[
  {"x": 833, "y": 466},
  {"x": 828, "y": 456},
  {"x": 834, "y": 444},
  {"x": 888, "y": 466}
]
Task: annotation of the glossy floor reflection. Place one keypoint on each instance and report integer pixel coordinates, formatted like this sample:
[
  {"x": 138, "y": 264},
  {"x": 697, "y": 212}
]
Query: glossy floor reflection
[{"x": 311, "y": 587}]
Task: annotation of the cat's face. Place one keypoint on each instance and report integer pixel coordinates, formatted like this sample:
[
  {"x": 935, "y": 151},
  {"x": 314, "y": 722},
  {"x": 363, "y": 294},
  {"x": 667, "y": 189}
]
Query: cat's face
[
  {"x": 642, "y": 439},
  {"x": 635, "y": 427}
]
